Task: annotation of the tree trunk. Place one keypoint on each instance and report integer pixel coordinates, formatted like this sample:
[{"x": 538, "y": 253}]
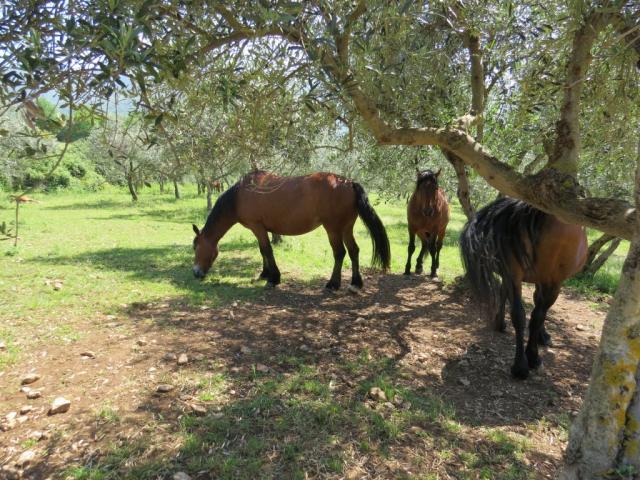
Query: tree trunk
[
  {"x": 209, "y": 194},
  {"x": 606, "y": 435},
  {"x": 161, "y": 185},
  {"x": 199, "y": 188},
  {"x": 605, "y": 438},
  {"x": 132, "y": 188},
  {"x": 176, "y": 190},
  {"x": 464, "y": 189},
  {"x": 594, "y": 261}
]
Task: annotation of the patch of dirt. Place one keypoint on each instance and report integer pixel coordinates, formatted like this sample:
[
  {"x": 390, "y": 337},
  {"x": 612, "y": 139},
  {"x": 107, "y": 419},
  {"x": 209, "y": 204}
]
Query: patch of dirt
[{"x": 433, "y": 334}]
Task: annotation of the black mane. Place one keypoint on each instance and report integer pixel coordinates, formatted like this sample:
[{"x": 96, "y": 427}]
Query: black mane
[{"x": 225, "y": 204}]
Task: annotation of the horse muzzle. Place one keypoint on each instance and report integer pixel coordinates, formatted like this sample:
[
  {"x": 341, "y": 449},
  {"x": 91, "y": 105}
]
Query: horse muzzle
[{"x": 198, "y": 272}]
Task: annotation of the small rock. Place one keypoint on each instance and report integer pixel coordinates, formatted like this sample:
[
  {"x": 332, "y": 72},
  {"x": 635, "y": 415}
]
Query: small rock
[
  {"x": 141, "y": 342},
  {"x": 37, "y": 435},
  {"x": 198, "y": 409},
  {"x": 88, "y": 354},
  {"x": 170, "y": 357},
  {"x": 245, "y": 350},
  {"x": 389, "y": 406},
  {"x": 29, "y": 378},
  {"x": 398, "y": 400},
  {"x": 33, "y": 394},
  {"x": 198, "y": 357},
  {"x": 3, "y": 346},
  {"x": 305, "y": 348},
  {"x": 57, "y": 285},
  {"x": 26, "y": 458},
  {"x": 416, "y": 430},
  {"x": 10, "y": 416},
  {"x": 59, "y": 405},
  {"x": 464, "y": 382},
  {"x": 262, "y": 368},
  {"x": 26, "y": 409},
  {"x": 164, "y": 388},
  {"x": 581, "y": 328},
  {"x": 181, "y": 476},
  {"x": 378, "y": 394},
  {"x": 183, "y": 359}
]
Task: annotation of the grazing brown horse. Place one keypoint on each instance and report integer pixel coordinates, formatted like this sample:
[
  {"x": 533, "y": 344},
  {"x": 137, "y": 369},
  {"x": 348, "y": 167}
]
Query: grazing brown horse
[
  {"x": 264, "y": 202},
  {"x": 427, "y": 217},
  {"x": 217, "y": 186},
  {"x": 510, "y": 242}
]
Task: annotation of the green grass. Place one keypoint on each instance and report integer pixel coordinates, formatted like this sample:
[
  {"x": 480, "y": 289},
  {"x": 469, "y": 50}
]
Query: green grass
[{"x": 111, "y": 254}]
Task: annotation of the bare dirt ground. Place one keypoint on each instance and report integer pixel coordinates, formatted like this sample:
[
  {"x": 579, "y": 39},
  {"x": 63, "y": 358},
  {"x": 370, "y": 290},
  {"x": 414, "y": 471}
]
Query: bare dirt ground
[{"x": 429, "y": 335}]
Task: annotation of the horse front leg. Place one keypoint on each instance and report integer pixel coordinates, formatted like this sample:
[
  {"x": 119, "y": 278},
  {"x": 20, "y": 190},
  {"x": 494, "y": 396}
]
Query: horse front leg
[
  {"x": 354, "y": 255},
  {"x": 335, "y": 239},
  {"x": 420, "y": 259},
  {"x": 410, "y": 250}
]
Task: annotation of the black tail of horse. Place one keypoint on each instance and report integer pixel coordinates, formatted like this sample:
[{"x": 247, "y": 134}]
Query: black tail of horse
[
  {"x": 381, "y": 250},
  {"x": 505, "y": 229}
]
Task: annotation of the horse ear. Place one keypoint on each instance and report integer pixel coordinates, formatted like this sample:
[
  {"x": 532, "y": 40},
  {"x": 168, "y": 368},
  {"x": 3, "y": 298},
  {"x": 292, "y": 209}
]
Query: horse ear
[
  {"x": 438, "y": 172},
  {"x": 195, "y": 229}
]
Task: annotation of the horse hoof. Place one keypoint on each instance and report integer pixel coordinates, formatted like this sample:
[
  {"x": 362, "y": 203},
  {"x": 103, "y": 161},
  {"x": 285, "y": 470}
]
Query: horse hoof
[
  {"x": 534, "y": 363},
  {"x": 270, "y": 285},
  {"x": 332, "y": 287},
  {"x": 419, "y": 271},
  {"x": 354, "y": 289},
  {"x": 520, "y": 373},
  {"x": 407, "y": 273},
  {"x": 545, "y": 340}
]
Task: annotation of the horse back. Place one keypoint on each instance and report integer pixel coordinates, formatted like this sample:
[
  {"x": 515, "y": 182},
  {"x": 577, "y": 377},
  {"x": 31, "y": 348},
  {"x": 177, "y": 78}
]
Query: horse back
[{"x": 295, "y": 205}]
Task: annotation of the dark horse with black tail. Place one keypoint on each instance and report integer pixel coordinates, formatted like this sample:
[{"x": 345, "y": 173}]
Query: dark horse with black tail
[
  {"x": 510, "y": 242},
  {"x": 264, "y": 202},
  {"x": 427, "y": 217}
]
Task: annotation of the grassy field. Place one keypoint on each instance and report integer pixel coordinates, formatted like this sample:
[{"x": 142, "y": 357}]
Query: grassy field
[{"x": 93, "y": 256}]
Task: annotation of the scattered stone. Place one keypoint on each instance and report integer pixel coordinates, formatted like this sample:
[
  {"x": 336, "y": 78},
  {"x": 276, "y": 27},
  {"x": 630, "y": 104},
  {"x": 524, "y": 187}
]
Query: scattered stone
[
  {"x": 88, "y": 354},
  {"x": 581, "y": 328},
  {"x": 198, "y": 409},
  {"x": 33, "y": 394},
  {"x": 26, "y": 458},
  {"x": 305, "y": 348},
  {"x": 59, "y": 405},
  {"x": 10, "y": 416},
  {"x": 141, "y": 342},
  {"x": 183, "y": 359},
  {"x": 416, "y": 430},
  {"x": 57, "y": 285},
  {"x": 464, "y": 382},
  {"x": 262, "y": 368},
  {"x": 164, "y": 388},
  {"x": 26, "y": 409},
  {"x": 3, "y": 346},
  {"x": 245, "y": 350},
  {"x": 22, "y": 418},
  {"x": 378, "y": 394},
  {"x": 398, "y": 400},
  {"x": 181, "y": 476},
  {"x": 389, "y": 406},
  {"x": 198, "y": 357},
  {"x": 29, "y": 378},
  {"x": 170, "y": 357},
  {"x": 37, "y": 435}
]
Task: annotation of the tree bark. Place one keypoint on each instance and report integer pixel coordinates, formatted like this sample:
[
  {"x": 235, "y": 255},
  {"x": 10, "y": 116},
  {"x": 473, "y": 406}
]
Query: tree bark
[
  {"x": 209, "y": 194},
  {"x": 132, "y": 187},
  {"x": 199, "y": 185},
  {"x": 594, "y": 261},
  {"x": 464, "y": 189},
  {"x": 605, "y": 437},
  {"x": 161, "y": 182},
  {"x": 176, "y": 190}
]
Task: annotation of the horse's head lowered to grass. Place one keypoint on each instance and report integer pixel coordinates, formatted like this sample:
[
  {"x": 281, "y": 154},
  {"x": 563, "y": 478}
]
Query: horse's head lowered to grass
[{"x": 206, "y": 252}]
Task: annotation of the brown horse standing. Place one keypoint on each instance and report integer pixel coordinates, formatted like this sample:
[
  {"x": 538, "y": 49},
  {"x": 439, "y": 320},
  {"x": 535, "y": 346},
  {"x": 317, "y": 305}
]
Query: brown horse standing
[
  {"x": 427, "y": 217},
  {"x": 264, "y": 202},
  {"x": 217, "y": 186},
  {"x": 510, "y": 242}
]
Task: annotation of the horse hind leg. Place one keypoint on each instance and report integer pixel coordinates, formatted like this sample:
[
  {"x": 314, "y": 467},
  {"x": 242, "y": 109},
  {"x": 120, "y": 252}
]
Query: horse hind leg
[
  {"x": 544, "y": 297},
  {"x": 500, "y": 324},
  {"x": 434, "y": 249},
  {"x": 335, "y": 239},
  {"x": 270, "y": 270},
  {"x": 520, "y": 367},
  {"x": 354, "y": 255}
]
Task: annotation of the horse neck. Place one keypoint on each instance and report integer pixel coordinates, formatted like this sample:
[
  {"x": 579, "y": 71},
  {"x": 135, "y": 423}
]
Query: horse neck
[
  {"x": 216, "y": 229},
  {"x": 425, "y": 200}
]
